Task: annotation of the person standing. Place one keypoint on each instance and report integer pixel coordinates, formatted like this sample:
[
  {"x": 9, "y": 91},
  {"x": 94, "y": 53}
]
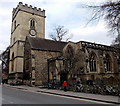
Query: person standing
[{"x": 65, "y": 85}]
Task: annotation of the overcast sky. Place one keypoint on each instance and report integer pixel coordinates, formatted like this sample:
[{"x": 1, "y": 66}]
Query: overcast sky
[{"x": 67, "y": 13}]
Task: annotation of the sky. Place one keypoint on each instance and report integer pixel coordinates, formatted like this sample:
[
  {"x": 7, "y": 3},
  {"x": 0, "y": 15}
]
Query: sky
[{"x": 71, "y": 14}]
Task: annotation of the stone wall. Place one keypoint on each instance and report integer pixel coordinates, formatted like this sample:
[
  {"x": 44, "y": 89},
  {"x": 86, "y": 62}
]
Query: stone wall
[
  {"x": 41, "y": 66},
  {"x": 17, "y": 51}
]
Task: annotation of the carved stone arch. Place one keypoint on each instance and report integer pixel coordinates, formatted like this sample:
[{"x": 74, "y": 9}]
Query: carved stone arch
[
  {"x": 87, "y": 52},
  {"x": 69, "y": 52},
  {"x": 92, "y": 53},
  {"x": 93, "y": 60},
  {"x": 107, "y": 63}
]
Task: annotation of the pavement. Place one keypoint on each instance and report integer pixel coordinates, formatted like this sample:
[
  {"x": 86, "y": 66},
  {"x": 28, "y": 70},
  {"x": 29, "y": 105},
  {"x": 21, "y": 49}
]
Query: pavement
[{"x": 88, "y": 96}]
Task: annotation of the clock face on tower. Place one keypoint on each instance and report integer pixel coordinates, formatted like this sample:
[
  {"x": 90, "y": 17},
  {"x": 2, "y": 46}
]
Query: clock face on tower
[{"x": 32, "y": 32}]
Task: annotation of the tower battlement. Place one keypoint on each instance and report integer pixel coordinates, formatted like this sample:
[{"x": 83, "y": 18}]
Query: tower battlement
[{"x": 29, "y": 9}]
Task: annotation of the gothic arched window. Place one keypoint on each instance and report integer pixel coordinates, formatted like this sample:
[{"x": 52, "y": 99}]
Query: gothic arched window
[
  {"x": 107, "y": 63},
  {"x": 32, "y": 24},
  {"x": 12, "y": 66},
  {"x": 92, "y": 62}
]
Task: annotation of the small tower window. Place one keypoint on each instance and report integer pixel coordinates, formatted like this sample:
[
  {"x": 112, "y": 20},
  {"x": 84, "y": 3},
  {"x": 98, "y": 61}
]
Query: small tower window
[{"x": 32, "y": 24}]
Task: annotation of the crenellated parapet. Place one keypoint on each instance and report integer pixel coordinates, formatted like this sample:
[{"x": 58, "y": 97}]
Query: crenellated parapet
[
  {"x": 29, "y": 9},
  {"x": 99, "y": 46}
]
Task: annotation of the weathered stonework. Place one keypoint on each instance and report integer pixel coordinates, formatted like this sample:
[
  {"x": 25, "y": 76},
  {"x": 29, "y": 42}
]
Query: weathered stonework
[
  {"x": 36, "y": 55},
  {"x": 21, "y": 26},
  {"x": 84, "y": 50},
  {"x": 41, "y": 67},
  {"x": 32, "y": 56}
]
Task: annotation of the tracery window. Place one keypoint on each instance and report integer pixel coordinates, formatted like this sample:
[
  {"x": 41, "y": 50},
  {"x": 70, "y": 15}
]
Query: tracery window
[
  {"x": 92, "y": 62},
  {"x": 107, "y": 63}
]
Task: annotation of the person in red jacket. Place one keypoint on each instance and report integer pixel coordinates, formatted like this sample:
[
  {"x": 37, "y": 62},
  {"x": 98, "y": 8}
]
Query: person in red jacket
[{"x": 65, "y": 85}]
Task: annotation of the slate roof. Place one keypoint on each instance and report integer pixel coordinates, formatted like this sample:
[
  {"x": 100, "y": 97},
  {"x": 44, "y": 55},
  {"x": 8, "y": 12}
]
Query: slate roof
[{"x": 46, "y": 44}]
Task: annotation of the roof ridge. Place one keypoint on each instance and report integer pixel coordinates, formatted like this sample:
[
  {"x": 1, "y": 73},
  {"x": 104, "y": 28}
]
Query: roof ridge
[
  {"x": 47, "y": 39},
  {"x": 38, "y": 43}
]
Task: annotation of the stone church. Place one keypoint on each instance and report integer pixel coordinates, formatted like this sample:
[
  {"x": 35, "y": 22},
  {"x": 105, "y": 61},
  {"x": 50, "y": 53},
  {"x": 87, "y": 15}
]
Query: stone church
[{"x": 35, "y": 60}]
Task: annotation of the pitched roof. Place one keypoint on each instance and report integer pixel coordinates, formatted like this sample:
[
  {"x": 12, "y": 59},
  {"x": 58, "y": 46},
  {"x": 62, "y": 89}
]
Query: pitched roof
[{"x": 46, "y": 44}]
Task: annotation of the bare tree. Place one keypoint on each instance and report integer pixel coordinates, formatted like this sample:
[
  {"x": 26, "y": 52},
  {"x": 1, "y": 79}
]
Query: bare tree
[
  {"x": 60, "y": 33},
  {"x": 4, "y": 57},
  {"x": 110, "y": 11},
  {"x": 75, "y": 60}
]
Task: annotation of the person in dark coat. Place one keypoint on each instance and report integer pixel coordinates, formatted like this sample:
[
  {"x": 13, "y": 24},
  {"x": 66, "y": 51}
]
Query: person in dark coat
[
  {"x": 65, "y": 85},
  {"x": 3, "y": 81}
]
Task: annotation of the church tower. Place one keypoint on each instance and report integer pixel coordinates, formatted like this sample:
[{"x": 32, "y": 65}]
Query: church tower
[{"x": 26, "y": 21}]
